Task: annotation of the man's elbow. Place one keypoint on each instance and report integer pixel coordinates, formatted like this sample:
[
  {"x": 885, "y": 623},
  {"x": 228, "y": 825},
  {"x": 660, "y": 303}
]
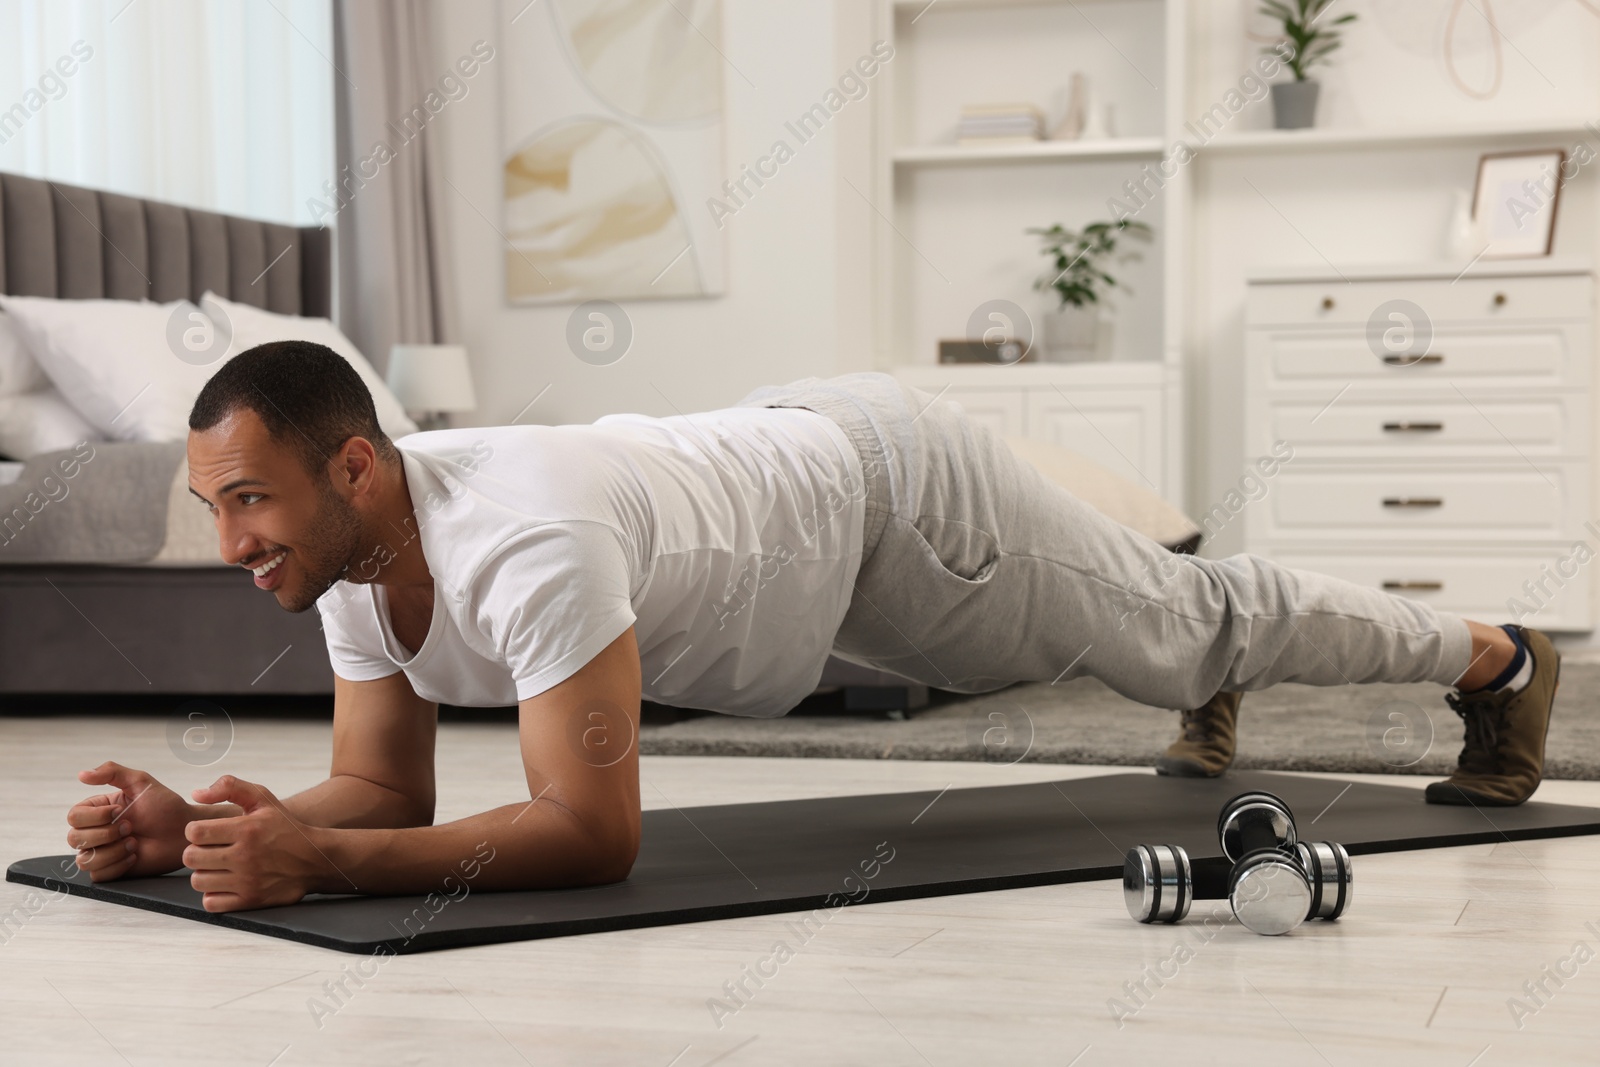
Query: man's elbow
[
  {"x": 614, "y": 857},
  {"x": 610, "y": 873},
  {"x": 602, "y": 842}
]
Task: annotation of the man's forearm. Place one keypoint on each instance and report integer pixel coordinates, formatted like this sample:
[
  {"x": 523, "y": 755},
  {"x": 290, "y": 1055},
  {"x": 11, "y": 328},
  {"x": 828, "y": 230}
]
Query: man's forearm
[
  {"x": 526, "y": 845},
  {"x": 342, "y": 801}
]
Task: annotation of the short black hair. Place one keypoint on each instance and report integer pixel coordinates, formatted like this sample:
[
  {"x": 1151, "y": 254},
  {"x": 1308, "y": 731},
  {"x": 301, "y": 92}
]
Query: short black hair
[{"x": 308, "y": 396}]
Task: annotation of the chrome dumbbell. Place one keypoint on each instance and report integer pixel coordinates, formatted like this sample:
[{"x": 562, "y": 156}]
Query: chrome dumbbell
[
  {"x": 1327, "y": 866},
  {"x": 1269, "y": 890},
  {"x": 1272, "y": 881}
]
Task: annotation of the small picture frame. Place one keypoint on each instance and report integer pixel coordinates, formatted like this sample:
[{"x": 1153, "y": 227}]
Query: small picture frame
[{"x": 1514, "y": 202}]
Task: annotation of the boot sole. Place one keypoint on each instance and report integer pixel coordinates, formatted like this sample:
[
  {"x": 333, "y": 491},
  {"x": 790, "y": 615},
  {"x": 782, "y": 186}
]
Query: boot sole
[
  {"x": 1463, "y": 798},
  {"x": 1182, "y": 768}
]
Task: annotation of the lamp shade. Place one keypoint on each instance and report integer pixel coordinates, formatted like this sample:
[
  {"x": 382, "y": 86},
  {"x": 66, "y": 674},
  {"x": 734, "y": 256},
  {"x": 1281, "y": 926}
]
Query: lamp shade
[{"x": 431, "y": 378}]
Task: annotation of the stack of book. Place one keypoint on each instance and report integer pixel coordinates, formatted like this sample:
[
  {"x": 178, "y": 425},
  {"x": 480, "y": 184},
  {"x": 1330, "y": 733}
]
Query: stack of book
[{"x": 999, "y": 123}]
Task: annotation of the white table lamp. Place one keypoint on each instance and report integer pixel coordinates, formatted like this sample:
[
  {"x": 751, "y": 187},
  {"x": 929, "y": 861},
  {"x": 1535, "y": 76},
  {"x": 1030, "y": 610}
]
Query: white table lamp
[{"x": 431, "y": 381}]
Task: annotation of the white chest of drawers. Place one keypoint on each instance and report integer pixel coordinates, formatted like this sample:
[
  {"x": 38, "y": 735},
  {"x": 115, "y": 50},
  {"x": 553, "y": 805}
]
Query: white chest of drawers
[{"x": 1441, "y": 430}]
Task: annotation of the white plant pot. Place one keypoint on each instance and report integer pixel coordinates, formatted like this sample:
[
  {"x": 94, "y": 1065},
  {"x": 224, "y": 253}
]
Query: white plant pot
[{"x": 1075, "y": 334}]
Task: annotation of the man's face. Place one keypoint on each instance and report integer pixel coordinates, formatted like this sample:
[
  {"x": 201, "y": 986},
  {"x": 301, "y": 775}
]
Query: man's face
[{"x": 271, "y": 512}]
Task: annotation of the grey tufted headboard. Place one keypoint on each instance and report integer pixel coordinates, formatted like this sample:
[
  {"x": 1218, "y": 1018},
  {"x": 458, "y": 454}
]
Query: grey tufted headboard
[{"x": 68, "y": 242}]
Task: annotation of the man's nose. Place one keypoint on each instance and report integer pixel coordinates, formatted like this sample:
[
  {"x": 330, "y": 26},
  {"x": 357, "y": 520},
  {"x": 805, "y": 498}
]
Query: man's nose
[{"x": 237, "y": 543}]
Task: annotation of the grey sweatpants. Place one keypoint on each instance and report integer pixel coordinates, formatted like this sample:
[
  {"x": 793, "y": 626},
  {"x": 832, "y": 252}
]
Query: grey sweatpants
[{"x": 977, "y": 572}]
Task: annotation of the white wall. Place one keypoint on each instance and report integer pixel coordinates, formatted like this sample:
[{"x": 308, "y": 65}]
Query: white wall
[{"x": 789, "y": 287}]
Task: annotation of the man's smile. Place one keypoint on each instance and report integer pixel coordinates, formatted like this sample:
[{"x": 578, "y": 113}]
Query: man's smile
[{"x": 269, "y": 572}]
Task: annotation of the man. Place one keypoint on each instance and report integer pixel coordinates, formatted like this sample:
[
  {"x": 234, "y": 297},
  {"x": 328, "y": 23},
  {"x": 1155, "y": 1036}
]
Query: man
[{"x": 714, "y": 561}]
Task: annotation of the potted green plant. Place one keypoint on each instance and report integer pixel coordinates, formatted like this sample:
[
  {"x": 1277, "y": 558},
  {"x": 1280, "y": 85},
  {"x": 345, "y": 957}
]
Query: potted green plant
[
  {"x": 1294, "y": 103},
  {"x": 1079, "y": 326}
]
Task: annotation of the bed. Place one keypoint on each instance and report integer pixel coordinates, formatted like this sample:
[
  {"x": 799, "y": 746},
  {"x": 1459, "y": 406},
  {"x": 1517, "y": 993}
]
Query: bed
[{"x": 178, "y": 624}]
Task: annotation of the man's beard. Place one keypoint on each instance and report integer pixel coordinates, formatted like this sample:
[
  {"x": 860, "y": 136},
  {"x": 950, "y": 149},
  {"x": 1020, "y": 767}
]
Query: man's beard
[{"x": 331, "y": 543}]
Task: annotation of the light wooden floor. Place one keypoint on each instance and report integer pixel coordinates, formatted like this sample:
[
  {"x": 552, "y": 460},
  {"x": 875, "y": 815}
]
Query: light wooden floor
[{"x": 1420, "y": 972}]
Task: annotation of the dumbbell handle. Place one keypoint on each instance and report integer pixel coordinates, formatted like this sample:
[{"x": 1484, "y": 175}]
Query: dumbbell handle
[
  {"x": 1256, "y": 830},
  {"x": 1209, "y": 878}
]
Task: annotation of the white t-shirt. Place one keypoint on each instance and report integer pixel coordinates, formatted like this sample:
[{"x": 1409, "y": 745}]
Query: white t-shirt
[{"x": 729, "y": 539}]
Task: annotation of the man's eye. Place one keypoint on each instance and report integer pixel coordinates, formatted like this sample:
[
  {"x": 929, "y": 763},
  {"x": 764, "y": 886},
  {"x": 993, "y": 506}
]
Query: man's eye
[{"x": 249, "y": 498}]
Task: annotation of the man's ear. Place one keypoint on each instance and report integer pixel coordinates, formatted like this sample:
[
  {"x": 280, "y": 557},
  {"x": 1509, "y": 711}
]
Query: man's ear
[{"x": 354, "y": 468}]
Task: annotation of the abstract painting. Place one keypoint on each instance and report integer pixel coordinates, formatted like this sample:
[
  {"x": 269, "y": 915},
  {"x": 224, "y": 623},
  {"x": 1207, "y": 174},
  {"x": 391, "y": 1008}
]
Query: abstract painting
[{"x": 612, "y": 134}]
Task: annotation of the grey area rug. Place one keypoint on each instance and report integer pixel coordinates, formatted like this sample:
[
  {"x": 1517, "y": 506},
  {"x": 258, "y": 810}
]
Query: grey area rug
[{"x": 1358, "y": 729}]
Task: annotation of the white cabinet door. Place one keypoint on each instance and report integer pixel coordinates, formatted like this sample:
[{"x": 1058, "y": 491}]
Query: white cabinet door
[
  {"x": 1001, "y": 410},
  {"x": 1118, "y": 428}
]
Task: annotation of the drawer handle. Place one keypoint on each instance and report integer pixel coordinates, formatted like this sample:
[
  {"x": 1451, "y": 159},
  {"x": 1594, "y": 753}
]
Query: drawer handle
[
  {"x": 1417, "y": 586},
  {"x": 1499, "y": 300},
  {"x": 1414, "y": 427},
  {"x": 1413, "y": 501},
  {"x": 1327, "y": 303},
  {"x": 1407, "y": 361}
]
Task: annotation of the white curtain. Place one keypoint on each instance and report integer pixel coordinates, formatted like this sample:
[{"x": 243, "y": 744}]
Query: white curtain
[{"x": 219, "y": 104}]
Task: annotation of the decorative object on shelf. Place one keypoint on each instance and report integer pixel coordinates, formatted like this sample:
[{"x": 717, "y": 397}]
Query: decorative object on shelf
[
  {"x": 1072, "y": 118},
  {"x": 431, "y": 381},
  {"x": 1464, "y": 240},
  {"x": 1096, "y": 118},
  {"x": 1080, "y": 327},
  {"x": 999, "y": 124},
  {"x": 1514, "y": 204},
  {"x": 998, "y": 332},
  {"x": 1002, "y": 352},
  {"x": 1294, "y": 103}
]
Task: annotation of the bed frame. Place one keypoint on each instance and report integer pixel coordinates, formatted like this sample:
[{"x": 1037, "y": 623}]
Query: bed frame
[{"x": 187, "y": 630}]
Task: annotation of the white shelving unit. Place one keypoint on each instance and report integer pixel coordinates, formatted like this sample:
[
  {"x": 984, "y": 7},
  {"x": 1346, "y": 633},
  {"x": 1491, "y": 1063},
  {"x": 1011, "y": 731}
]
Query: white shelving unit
[
  {"x": 958, "y": 213},
  {"x": 1371, "y": 185}
]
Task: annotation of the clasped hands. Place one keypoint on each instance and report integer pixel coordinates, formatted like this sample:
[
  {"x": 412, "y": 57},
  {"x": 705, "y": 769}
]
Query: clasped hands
[{"x": 260, "y": 858}]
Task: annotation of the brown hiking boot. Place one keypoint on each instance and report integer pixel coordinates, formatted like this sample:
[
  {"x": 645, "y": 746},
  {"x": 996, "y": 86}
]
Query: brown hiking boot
[
  {"x": 1206, "y": 748},
  {"x": 1502, "y": 761}
]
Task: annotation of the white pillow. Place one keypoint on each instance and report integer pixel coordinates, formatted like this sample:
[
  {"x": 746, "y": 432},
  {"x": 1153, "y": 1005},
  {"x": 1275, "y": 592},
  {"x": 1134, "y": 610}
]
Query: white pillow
[
  {"x": 1106, "y": 491},
  {"x": 19, "y": 371},
  {"x": 112, "y": 361},
  {"x": 250, "y": 326},
  {"x": 134, "y": 368},
  {"x": 41, "y": 421}
]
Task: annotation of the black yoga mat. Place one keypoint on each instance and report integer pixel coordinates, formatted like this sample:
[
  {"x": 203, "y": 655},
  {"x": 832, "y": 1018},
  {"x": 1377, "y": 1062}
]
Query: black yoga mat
[{"x": 818, "y": 855}]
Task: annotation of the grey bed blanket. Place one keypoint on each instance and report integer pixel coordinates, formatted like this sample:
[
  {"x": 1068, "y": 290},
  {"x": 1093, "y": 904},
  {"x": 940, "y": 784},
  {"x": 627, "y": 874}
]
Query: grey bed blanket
[{"x": 101, "y": 502}]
